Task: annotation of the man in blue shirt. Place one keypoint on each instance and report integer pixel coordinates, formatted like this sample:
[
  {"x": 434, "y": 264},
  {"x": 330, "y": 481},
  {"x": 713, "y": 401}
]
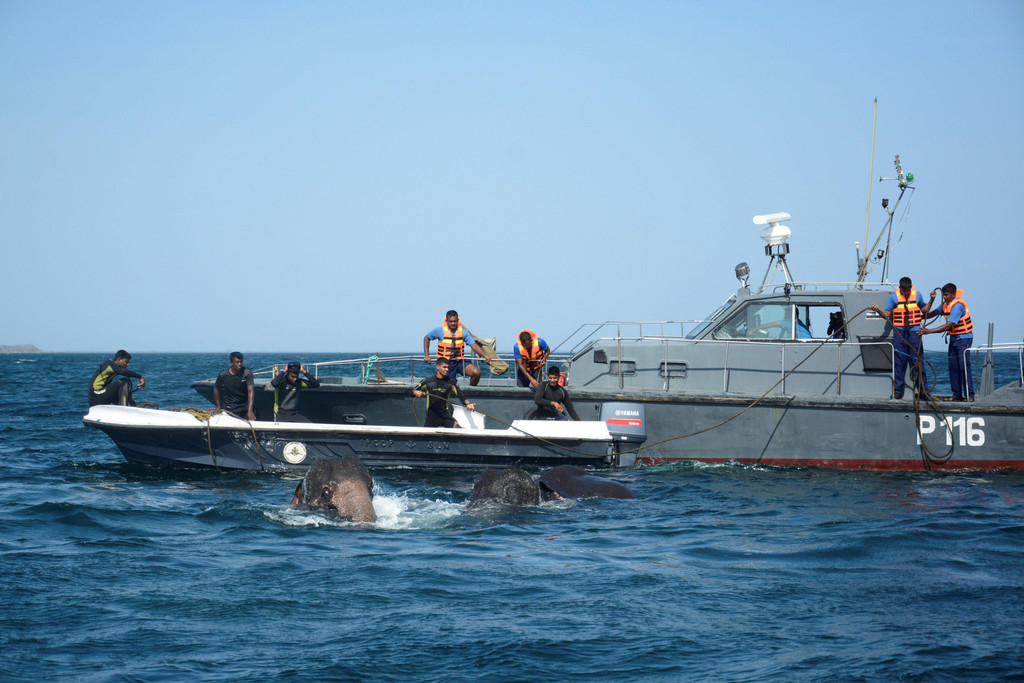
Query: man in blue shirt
[
  {"x": 905, "y": 310},
  {"x": 452, "y": 340},
  {"x": 961, "y": 337},
  {"x": 530, "y": 352}
]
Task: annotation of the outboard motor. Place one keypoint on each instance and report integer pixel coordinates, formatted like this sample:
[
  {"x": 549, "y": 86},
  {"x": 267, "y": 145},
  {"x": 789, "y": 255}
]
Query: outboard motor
[{"x": 628, "y": 427}]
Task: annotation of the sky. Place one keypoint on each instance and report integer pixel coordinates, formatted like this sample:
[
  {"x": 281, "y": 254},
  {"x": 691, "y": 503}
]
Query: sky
[{"x": 334, "y": 176}]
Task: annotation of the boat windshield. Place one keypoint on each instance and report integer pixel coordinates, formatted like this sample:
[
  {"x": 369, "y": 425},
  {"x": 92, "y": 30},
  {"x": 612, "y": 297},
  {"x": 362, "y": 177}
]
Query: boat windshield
[
  {"x": 763, "y": 321},
  {"x": 716, "y": 315}
]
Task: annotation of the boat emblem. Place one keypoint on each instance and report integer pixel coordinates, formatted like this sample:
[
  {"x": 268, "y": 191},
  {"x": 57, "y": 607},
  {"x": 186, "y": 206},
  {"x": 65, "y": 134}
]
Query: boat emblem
[{"x": 294, "y": 452}]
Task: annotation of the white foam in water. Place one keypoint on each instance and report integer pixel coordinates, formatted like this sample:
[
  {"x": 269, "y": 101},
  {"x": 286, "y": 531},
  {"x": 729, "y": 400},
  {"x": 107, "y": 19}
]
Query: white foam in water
[
  {"x": 401, "y": 512},
  {"x": 393, "y": 512}
]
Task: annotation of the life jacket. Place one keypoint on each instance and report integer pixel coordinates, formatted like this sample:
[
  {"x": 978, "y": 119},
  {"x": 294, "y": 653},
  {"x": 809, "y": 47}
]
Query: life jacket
[
  {"x": 907, "y": 313},
  {"x": 964, "y": 325},
  {"x": 530, "y": 356},
  {"x": 453, "y": 346}
]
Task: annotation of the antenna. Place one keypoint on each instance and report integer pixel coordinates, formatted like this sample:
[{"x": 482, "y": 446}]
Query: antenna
[
  {"x": 903, "y": 180},
  {"x": 862, "y": 264}
]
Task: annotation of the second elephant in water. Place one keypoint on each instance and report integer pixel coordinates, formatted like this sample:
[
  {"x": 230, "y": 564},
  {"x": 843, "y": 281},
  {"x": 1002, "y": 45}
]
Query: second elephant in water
[{"x": 517, "y": 487}]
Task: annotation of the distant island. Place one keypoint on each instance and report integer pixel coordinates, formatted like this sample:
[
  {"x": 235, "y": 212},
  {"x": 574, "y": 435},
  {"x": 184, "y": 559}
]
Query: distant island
[{"x": 20, "y": 348}]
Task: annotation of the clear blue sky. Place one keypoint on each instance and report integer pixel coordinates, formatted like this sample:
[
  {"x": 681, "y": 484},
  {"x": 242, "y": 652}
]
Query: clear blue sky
[{"x": 333, "y": 176}]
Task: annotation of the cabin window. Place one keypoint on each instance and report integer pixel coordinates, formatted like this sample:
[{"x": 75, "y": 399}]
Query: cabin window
[
  {"x": 719, "y": 312},
  {"x": 783, "y": 322},
  {"x": 673, "y": 369},
  {"x": 624, "y": 367}
]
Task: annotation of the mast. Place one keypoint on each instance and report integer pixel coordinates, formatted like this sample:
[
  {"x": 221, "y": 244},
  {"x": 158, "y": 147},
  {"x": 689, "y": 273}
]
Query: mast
[
  {"x": 874, "y": 254},
  {"x": 862, "y": 263}
]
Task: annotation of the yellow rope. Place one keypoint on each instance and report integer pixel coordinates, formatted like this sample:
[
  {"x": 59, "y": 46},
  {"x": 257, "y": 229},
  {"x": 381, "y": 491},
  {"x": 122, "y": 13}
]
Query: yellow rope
[{"x": 204, "y": 417}]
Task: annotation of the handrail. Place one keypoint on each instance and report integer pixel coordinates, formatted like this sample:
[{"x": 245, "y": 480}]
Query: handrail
[
  {"x": 595, "y": 328},
  {"x": 814, "y": 286},
  {"x": 1003, "y": 346},
  {"x": 817, "y": 344},
  {"x": 414, "y": 360}
]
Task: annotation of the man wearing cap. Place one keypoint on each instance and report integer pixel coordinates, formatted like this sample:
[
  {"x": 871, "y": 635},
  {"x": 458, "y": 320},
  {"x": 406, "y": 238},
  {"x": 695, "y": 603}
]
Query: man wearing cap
[{"x": 287, "y": 386}]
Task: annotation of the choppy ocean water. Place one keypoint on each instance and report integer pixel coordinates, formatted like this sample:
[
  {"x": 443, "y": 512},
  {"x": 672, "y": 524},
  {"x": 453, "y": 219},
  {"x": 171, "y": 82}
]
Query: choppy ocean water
[{"x": 112, "y": 571}]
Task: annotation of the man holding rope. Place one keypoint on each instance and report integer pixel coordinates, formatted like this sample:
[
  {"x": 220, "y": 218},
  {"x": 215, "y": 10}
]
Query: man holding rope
[
  {"x": 961, "y": 337},
  {"x": 905, "y": 310},
  {"x": 440, "y": 390}
]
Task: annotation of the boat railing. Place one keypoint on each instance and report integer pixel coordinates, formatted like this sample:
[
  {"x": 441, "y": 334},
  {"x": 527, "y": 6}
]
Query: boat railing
[
  {"x": 635, "y": 330},
  {"x": 985, "y": 368},
  {"x": 815, "y": 286},
  {"x": 401, "y": 369},
  {"x": 786, "y": 370},
  {"x": 813, "y": 344},
  {"x": 368, "y": 366}
]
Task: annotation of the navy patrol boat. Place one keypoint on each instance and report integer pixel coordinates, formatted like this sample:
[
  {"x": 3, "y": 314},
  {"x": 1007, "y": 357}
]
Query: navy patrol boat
[{"x": 790, "y": 373}]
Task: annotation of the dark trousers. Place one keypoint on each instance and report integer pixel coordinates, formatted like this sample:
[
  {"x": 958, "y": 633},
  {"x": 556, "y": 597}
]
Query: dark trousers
[
  {"x": 961, "y": 381},
  {"x": 118, "y": 393},
  {"x": 906, "y": 345},
  {"x": 547, "y": 414},
  {"x": 523, "y": 380},
  {"x": 241, "y": 411},
  {"x": 433, "y": 419}
]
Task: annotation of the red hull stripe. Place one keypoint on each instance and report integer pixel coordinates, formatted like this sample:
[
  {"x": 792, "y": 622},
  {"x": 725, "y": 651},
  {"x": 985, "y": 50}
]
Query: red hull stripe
[{"x": 913, "y": 465}]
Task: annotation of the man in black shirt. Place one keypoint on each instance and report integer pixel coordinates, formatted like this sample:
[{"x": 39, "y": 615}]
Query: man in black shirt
[
  {"x": 287, "y": 386},
  {"x": 440, "y": 392},
  {"x": 234, "y": 390},
  {"x": 552, "y": 400}
]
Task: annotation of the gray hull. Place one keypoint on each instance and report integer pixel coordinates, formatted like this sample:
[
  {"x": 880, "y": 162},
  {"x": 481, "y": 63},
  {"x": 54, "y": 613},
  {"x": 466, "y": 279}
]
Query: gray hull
[{"x": 833, "y": 432}]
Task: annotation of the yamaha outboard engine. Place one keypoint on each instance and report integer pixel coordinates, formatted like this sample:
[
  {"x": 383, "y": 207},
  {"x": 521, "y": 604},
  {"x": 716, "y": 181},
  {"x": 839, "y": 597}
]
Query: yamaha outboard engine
[{"x": 627, "y": 425}]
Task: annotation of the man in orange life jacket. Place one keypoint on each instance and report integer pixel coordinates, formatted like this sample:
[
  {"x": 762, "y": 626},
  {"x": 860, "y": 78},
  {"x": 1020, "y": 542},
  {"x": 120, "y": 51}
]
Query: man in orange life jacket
[
  {"x": 452, "y": 340},
  {"x": 905, "y": 310},
  {"x": 961, "y": 337},
  {"x": 530, "y": 353}
]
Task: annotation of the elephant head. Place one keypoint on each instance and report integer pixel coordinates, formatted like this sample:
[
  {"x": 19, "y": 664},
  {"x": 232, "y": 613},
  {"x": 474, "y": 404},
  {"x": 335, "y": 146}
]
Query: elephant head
[
  {"x": 514, "y": 487},
  {"x": 340, "y": 484}
]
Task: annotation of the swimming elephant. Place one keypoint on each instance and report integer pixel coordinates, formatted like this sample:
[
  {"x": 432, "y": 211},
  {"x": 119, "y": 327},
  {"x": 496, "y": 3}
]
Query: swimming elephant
[
  {"x": 341, "y": 484},
  {"x": 516, "y": 487},
  {"x": 566, "y": 481}
]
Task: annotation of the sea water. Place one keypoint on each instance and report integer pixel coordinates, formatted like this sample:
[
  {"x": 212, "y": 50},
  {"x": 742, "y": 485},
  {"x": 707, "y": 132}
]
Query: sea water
[{"x": 111, "y": 571}]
